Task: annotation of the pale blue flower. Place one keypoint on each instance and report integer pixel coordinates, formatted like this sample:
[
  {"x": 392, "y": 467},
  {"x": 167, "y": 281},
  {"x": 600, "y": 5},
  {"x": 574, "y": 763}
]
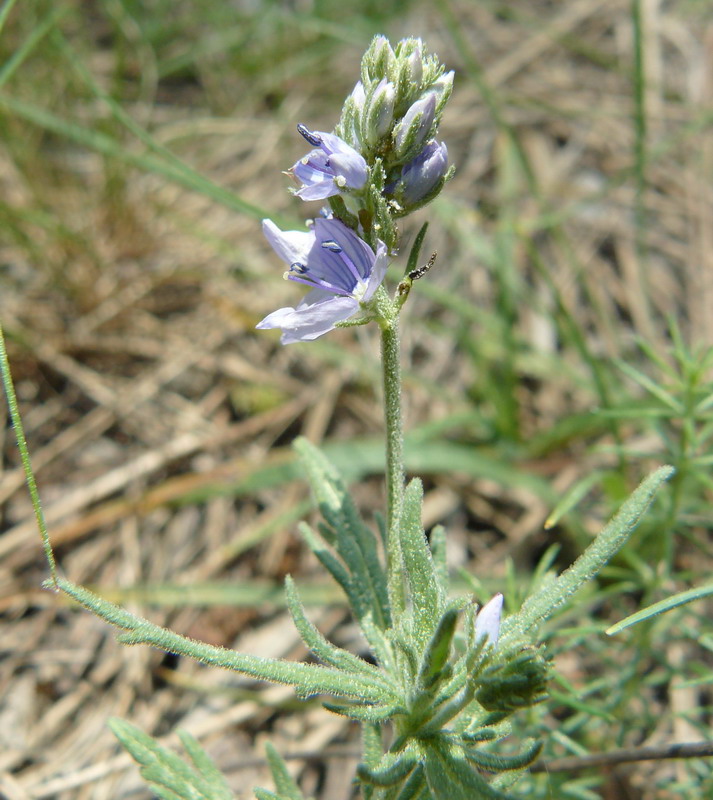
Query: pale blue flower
[
  {"x": 329, "y": 169},
  {"x": 487, "y": 622},
  {"x": 341, "y": 268}
]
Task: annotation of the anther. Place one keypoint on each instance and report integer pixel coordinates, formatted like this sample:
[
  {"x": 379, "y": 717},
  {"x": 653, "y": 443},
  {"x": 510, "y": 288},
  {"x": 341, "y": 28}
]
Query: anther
[{"x": 312, "y": 138}]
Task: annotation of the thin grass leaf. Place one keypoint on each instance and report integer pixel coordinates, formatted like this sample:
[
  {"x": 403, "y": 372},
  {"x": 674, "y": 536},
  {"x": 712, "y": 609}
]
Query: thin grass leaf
[
  {"x": 572, "y": 498},
  {"x": 416, "y": 249},
  {"x": 36, "y": 36},
  {"x": 652, "y": 387},
  {"x": 662, "y": 606},
  {"x": 183, "y": 175},
  {"x": 5, "y": 13}
]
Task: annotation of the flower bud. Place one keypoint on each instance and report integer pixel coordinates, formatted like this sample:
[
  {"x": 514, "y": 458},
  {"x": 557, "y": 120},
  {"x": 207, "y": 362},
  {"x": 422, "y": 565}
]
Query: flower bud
[
  {"x": 380, "y": 114},
  {"x": 443, "y": 87},
  {"x": 415, "y": 126},
  {"x": 358, "y": 97},
  {"x": 519, "y": 681},
  {"x": 378, "y": 60},
  {"x": 349, "y": 127},
  {"x": 422, "y": 175},
  {"x": 414, "y": 65}
]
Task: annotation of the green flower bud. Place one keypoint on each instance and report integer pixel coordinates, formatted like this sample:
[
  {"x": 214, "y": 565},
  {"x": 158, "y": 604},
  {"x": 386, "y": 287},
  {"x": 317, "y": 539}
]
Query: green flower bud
[
  {"x": 415, "y": 127},
  {"x": 518, "y": 682},
  {"x": 379, "y": 115},
  {"x": 378, "y": 61}
]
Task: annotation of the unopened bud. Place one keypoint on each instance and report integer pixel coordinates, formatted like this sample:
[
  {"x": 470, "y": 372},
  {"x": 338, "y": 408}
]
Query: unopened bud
[
  {"x": 415, "y": 126},
  {"x": 518, "y": 681},
  {"x": 380, "y": 114},
  {"x": 378, "y": 60},
  {"x": 422, "y": 175}
]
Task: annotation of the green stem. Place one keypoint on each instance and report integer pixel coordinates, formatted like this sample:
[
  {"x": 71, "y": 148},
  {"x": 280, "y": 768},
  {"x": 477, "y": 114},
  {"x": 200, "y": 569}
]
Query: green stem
[
  {"x": 25, "y": 457},
  {"x": 391, "y": 362}
]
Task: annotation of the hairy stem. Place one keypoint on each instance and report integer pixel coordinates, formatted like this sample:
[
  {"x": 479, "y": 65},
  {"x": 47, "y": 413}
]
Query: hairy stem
[{"x": 390, "y": 354}]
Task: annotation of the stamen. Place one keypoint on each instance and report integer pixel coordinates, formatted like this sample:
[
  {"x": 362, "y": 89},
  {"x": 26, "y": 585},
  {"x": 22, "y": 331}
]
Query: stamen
[
  {"x": 320, "y": 283},
  {"x": 312, "y": 138}
]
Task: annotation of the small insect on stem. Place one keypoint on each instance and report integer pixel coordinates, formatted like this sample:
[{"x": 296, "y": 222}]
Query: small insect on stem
[
  {"x": 419, "y": 272},
  {"x": 403, "y": 289}
]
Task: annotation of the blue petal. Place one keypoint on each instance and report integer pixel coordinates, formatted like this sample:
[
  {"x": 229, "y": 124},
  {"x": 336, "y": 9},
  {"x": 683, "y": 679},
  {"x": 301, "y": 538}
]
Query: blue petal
[
  {"x": 291, "y": 246},
  {"x": 313, "y": 317},
  {"x": 355, "y": 248},
  {"x": 487, "y": 623}
]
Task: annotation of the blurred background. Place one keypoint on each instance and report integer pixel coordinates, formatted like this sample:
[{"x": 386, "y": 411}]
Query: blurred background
[{"x": 557, "y": 352}]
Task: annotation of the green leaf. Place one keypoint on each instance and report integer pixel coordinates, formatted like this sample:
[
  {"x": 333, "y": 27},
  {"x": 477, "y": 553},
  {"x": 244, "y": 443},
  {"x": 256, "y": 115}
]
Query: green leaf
[
  {"x": 173, "y": 170},
  {"x": 667, "y": 604},
  {"x": 355, "y": 542},
  {"x": 427, "y": 596},
  {"x": 366, "y": 714},
  {"x": 394, "y": 768},
  {"x": 415, "y": 787},
  {"x": 541, "y": 605},
  {"x": 321, "y": 647},
  {"x": 451, "y": 777},
  {"x": 572, "y": 498},
  {"x": 167, "y": 774},
  {"x": 204, "y": 764},
  {"x": 285, "y": 785},
  {"x": 438, "y": 650},
  {"x": 439, "y": 552},
  {"x": 493, "y": 762},
  {"x": 307, "y": 679}
]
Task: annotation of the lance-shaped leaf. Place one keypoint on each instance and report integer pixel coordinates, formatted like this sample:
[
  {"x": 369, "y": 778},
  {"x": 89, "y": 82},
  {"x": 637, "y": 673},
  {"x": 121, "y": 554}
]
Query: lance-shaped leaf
[
  {"x": 394, "y": 768},
  {"x": 307, "y": 679},
  {"x": 365, "y": 713},
  {"x": 543, "y": 603},
  {"x": 438, "y": 550},
  {"x": 355, "y": 542},
  {"x": 426, "y": 594},
  {"x": 497, "y": 763},
  {"x": 438, "y": 651},
  {"x": 324, "y": 649},
  {"x": 415, "y": 787},
  {"x": 285, "y": 785},
  {"x": 169, "y": 776},
  {"x": 451, "y": 777}
]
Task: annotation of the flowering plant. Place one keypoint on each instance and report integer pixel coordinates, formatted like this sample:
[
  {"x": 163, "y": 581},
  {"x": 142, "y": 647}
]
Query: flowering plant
[{"x": 442, "y": 678}]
